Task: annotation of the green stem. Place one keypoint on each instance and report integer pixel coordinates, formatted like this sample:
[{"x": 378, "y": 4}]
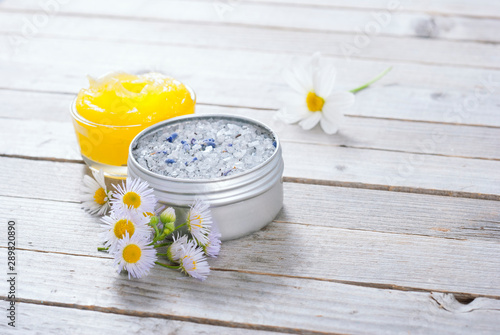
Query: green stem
[
  {"x": 180, "y": 226},
  {"x": 167, "y": 266},
  {"x": 162, "y": 244},
  {"x": 164, "y": 255},
  {"x": 102, "y": 249},
  {"x": 380, "y": 76}
]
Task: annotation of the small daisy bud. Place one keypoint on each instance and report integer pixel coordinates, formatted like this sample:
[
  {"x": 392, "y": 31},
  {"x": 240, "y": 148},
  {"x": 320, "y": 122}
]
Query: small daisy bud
[
  {"x": 170, "y": 255},
  {"x": 153, "y": 221},
  {"x": 168, "y": 216},
  {"x": 168, "y": 228}
]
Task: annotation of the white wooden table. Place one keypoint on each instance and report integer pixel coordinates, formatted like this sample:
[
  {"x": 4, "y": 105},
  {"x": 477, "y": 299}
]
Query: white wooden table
[{"x": 390, "y": 226}]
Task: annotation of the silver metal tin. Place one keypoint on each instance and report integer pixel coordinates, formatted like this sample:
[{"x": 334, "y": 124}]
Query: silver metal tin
[{"x": 240, "y": 204}]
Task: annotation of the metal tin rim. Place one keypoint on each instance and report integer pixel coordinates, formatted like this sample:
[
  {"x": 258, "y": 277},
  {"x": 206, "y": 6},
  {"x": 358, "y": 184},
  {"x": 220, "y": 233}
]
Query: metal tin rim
[{"x": 178, "y": 119}]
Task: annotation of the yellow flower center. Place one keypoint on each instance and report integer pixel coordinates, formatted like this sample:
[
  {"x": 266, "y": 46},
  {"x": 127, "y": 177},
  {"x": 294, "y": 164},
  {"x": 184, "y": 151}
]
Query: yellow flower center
[
  {"x": 190, "y": 259},
  {"x": 100, "y": 196},
  {"x": 314, "y": 103},
  {"x": 148, "y": 214},
  {"x": 196, "y": 218},
  {"x": 124, "y": 226},
  {"x": 131, "y": 253},
  {"x": 132, "y": 199}
]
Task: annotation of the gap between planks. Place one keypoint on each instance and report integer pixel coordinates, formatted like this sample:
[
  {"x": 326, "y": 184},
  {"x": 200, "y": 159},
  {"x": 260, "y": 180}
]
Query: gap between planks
[
  {"x": 223, "y": 23},
  {"x": 361, "y": 9},
  {"x": 336, "y": 183},
  {"x": 206, "y": 321},
  {"x": 458, "y": 295},
  {"x": 273, "y": 110},
  {"x": 280, "y": 52},
  {"x": 405, "y": 189}
]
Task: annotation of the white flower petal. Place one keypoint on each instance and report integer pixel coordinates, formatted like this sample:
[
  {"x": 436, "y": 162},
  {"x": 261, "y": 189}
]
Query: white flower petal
[
  {"x": 138, "y": 222},
  {"x": 296, "y": 78},
  {"x": 310, "y": 121},
  {"x": 199, "y": 221},
  {"x": 193, "y": 261},
  {"x": 333, "y": 115},
  {"x": 143, "y": 265},
  {"x": 315, "y": 61},
  {"x": 339, "y": 100},
  {"x": 99, "y": 177},
  {"x": 329, "y": 127},
  {"x": 146, "y": 202},
  {"x": 324, "y": 81},
  {"x": 90, "y": 182},
  {"x": 292, "y": 114}
]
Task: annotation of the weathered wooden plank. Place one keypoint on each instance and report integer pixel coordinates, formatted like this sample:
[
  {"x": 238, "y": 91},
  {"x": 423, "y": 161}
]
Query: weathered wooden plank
[
  {"x": 377, "y": 237},
  {"x": 250, "y": 299},
  {"x": 459, "y": 176},
  {"x": 456, "y": 175},
  {"x": 37, "y": 133},
  {"x": 46, "y": 319},
  {"x": 355, "y": 209},
  {"x": 390, "y": 22},
  {"x": 480, "y": 8},
  {"x": 416, "y": 92},
  {"x": 41, "y": 179},
  {"x": 35, "y": 105}
]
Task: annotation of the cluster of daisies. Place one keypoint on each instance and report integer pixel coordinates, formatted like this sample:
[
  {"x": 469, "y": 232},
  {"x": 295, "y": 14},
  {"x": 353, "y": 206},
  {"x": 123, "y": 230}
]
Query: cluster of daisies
[{"x": 136, "y": 227}]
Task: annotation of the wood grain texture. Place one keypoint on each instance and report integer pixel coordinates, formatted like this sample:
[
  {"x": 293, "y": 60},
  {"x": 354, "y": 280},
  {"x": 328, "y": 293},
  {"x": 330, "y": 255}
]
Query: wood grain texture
[
  {"x": 453, "y": 175},
  {"x": 353, "y": 209},
  {"x": 381, "y": 48},
  {"x": 411, "y": 91},
  {"x": 391, "y": 21},
  {"x": 350, "y": 259},
  {"x": 262, "y": 301},
  {"x": 46, "y": 319},
  {"x": 365, "y": 251},
  {"x": 37, "y": 129},
  {"x": 480, "y": 9}
]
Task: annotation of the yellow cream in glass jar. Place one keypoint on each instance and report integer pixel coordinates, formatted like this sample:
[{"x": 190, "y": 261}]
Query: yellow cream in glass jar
[{"x": 116, "y": 107}]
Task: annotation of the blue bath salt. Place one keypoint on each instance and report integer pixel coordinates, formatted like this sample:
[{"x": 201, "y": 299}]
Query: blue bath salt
[
  {"x": 205, "y": 149},
  {"x": 172, "y": 137}
]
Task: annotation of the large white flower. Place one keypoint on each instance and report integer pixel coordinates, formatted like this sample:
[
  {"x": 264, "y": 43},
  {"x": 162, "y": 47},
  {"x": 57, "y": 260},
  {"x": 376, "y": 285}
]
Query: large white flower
[
  {"x": 314, "y": 98},
  {"x": 95, "y": 197},
  {"x": 135, "y": 255}
]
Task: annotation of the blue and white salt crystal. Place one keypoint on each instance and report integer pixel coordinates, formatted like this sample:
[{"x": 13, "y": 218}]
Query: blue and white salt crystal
[
  {"x": 206, "y": 149},
  {"x": 172, "y": 137}
]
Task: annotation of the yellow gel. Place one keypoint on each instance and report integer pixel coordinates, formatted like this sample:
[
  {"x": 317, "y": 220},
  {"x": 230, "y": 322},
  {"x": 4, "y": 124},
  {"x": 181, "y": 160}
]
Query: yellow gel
[{"x": 115, "y": 108}]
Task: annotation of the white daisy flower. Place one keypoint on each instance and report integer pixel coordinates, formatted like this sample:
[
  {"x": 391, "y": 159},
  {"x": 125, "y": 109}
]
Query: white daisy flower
[
  {"x": 199, "y": 221},
  {"x": 193, "y": 262},
  {"x": 212, "y": 248},
  {"x": 134, "y": 197},
  {"x": 116, "y": 226},
  {"x": 175, "y": 249},
  {"x": 314, "y": 99},
  {"x": 134, "y": 255},
  {"x": 95, "y": 197}
]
